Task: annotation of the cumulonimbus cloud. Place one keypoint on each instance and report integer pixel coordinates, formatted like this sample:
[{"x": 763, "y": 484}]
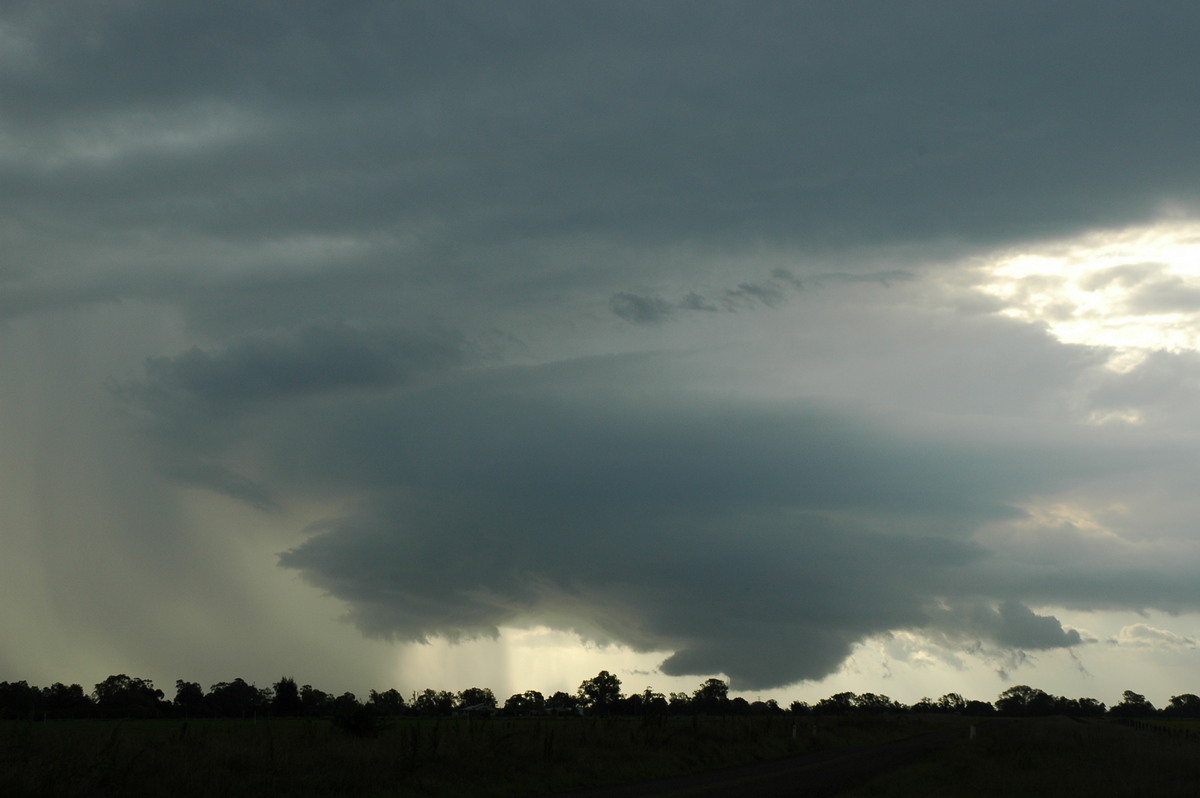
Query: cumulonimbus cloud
[{"x": 745, "y": 536}]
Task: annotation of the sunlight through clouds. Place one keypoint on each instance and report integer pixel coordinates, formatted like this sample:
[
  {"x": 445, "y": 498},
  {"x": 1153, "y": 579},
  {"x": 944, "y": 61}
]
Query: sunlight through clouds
[{"x": 1136, "y": 290}]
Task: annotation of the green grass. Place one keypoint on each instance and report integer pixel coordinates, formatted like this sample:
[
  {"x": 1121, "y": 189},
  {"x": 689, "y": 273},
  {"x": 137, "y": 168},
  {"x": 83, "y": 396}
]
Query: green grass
[
  {"x": 413, "y": 757},
  {"x": 1052, "y": 757}
]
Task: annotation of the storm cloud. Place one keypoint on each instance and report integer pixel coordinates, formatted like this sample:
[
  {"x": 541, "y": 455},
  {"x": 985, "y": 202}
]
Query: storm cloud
[
  {"x": 683, "y": 326},
  {"x": 757, "y": 539}
]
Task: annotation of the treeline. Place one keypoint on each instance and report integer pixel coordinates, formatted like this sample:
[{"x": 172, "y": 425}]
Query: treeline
[{"x": 122, "y": 696}]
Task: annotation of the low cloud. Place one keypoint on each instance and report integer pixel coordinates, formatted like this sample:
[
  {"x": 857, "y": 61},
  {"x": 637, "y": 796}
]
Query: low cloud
[
  {"x": 309, "y": 360},
  {"x": 749, "y": 295},
  {"x": 649, "y": 309},
  {"x": 640, "y": 309},
  {"x": 1140, "y": 635},
  {"x": 1009, "y": 624}
]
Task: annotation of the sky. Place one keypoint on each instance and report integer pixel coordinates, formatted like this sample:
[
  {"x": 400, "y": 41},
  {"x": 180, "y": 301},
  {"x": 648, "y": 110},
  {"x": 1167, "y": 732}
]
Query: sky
[{"x": 811, "y": 346}]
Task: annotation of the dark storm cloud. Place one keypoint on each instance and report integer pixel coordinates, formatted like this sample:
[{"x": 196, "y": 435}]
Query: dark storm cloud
[
  {"x": 640, "y": 309},
  {"x": 307, "y": 185},
  {"x": 313, "y": 359},
  {"x": 1010, "y": 624},
  {"x": 205, "y": 399},
  {"x": 747, "y": 537},
  {"x": 646, "y": 309},
  {"x": 771, "y": 293},
  {"x": 204, "y": 473},
  {"x": 475, "y": 126}
]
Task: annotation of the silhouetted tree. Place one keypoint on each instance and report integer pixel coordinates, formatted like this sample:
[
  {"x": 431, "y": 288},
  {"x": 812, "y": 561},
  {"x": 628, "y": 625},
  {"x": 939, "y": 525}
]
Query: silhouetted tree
[
  {"x": 345, "y": 704},
  {"x": 653, "y": 703},
  {"x": 285, "y": 702},
  {"x": 873, "y": 703},
  {"x": 434, "y": 702},
  {"x": 600, "y": 692},
  {"x": 1078, "y": 707},
  {"x": 18, "y": 700},
  {"x": 189, "y": 699},
  {"x": 836, "y": 704},
  {"x": 125, "y": 696},
  {"x": 475, "y": 696},
  {"x": 712, "y": 697},
  {"x": 561, "y": 700},
  {"x": 528, "y": 702},
  {"x": 122, "y": 696},
  {"x": 389, "y": 703},
  {"x": 237, "y": 699},
  {"x": 316, "y": 703},
  {"x": 979, "y": 708},
  {"x": 1024, "y": 701},
  {"x": 679, "y": 703},
  {"x": 62, "y": 701},
  {"x": 768, "y": 707},
  {"x": 1133, "y": 705},
  {"x": 1183, "y": 706},
  {"x": 951, "y": 703},
  {"x": 628, "y": 705}
]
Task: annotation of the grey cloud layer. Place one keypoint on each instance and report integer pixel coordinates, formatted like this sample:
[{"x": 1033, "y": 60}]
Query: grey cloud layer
[
  {"x": 319, "y": 193},
  {"x": 465, "y": 127},
  {"x": 761, "y": 540},
  {"x": 314, "y": 359}
]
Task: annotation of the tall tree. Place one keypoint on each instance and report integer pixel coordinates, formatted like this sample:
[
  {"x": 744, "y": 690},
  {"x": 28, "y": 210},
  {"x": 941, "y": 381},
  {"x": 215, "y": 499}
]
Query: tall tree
[
  {"x": 476, "y": 696},
  {"x": 286, "y": 700},
  {"x": 561, "y": 700},
  {"x": 1183, "y": 706},
  {"x": 315, "y": 702},
  {"x": 712, "y": 697},
  {"x": 18, "y": 700},
  {"x": 63, "y": 701},
  {"x": 1133, "y": 705},
  {"x": 873, "y": 703},
  {"x": 434, "y": 702},
  {"x": 1023, "y": 700},
  {"x": 189, "y": 699},
  {"x": 530, "y": 701},
  {"x": 388, "y": 703},
  {"x": 952, "y": 702},
  {"x": 836, "y": 704},
  {"x": 237, "y": 699},
  {"x": 122, "y": 696},
  {"x": 653, "y": 703},
  {"x": 600, "y": 692}
]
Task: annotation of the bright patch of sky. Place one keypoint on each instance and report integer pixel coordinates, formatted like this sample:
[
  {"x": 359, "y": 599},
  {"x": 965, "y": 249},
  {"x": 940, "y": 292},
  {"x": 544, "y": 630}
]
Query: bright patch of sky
[{"x": 1135, "y": 290}]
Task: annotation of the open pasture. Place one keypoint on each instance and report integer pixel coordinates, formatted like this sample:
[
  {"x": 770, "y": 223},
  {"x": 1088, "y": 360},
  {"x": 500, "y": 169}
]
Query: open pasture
[
  {"x": 410, "y": 756},
  {"x": 1055, "y": 756}
]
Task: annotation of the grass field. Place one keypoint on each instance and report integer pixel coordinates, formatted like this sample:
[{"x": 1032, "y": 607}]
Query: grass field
[
  {"x": 418, "y": 757},
  {"x": 530, "y": 756},
  {"x": 1055, "y": 757}
]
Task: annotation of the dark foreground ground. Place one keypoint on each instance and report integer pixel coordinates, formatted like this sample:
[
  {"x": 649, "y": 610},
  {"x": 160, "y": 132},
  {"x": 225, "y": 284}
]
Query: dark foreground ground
[
  {"x": 813, "y": 774},
  {"x": 411, "y": 756},
  {"x": 601, "y": 758},
  {"x": 1003, "y": 757},
  {"x": 1054, "y": 756}
]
